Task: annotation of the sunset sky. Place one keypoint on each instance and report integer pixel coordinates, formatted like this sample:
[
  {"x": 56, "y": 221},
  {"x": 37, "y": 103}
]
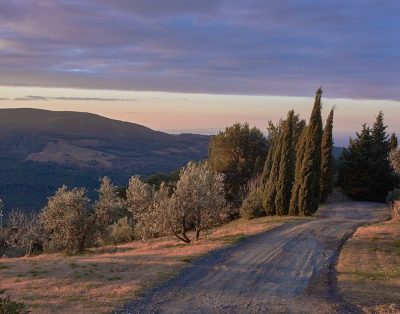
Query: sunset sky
[{"x": 202, "y": 65}]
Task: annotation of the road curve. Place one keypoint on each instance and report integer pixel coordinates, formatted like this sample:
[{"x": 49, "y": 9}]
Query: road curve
[{"x": 289, "y": 269}]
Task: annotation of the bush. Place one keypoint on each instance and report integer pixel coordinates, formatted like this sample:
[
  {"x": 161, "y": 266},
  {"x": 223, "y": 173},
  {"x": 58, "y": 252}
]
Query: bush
[
  {"x": 252, "y": 206},
  {"x": 393, "y": 196},
  {"x": 8, "y": 306},
  {"x": 121, "y": 231}
]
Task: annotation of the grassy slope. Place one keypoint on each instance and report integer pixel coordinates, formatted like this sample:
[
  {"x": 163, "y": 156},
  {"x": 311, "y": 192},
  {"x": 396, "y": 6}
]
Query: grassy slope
[
  {"x": 106, "y": 277},
  {"x": 369, "y": 268}
]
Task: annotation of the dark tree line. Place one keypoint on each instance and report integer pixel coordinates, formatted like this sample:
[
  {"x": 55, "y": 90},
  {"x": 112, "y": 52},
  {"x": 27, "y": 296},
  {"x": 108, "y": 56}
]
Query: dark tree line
[{"x": 365, "y": 172}]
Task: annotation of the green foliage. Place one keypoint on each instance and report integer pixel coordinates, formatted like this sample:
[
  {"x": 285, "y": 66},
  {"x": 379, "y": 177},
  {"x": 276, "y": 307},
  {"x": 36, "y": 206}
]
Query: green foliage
[
  {"x": 286, "y": 168},
  {"x": 158, "y": 178},
  {"x": 67, "y": 220},
  {"x": 395, "y": 160},
  {"x": 327, "y": 171},
  {"x": 365, "y": 172},
  {"x": 8, "y": 306},
  {"x": 393, "y": 142},
  {"x": 310, "y": 168},
  {"x": 270, "y": 188},
  {"x": 300, "y": 150},
  {"x": 239, "y": 153},
  {"x": 252, "y": 206},
  {"x": 121, "y": 231},
  {"x": 279, "y": 169},
  {"x": 108, "y": 208}
]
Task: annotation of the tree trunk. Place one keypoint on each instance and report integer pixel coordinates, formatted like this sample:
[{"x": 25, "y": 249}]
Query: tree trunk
[{"x": 198, "y": 229}]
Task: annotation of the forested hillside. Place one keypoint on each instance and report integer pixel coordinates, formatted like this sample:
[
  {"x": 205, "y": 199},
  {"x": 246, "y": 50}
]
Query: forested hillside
[{"x": 42, "y": 150}]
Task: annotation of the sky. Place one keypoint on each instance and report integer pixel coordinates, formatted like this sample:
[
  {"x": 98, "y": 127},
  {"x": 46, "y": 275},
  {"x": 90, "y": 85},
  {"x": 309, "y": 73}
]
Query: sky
[{"x": 202, "y": 65}]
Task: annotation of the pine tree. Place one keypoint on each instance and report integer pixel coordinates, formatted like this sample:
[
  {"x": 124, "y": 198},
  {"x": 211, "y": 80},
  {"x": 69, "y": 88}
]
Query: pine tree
[
  {"x": 310, "y": 172},
  {"x": 356, "y": 167},
  {"x": 286, "y": 167},
  {"x": 365, "y": 172},
  {"x": 383, "y": 174},
  {"x": 327, "y": 159}
]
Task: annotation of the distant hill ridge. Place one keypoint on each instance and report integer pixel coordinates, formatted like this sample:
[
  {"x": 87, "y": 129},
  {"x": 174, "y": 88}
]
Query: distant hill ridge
[{"x": 41, "y": 150}]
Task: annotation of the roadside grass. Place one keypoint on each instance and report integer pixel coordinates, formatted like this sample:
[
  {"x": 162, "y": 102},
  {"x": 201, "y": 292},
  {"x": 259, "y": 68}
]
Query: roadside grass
[
  {"x": 105, "y": 277},
  {"x": 369, "y": 268}
]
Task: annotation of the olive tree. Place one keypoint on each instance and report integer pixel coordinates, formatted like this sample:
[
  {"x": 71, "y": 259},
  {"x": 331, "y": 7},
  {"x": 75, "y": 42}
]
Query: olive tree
[
  {"x": 108, "y": 208},
  {"x": 395, "y": 160},
  {"x": 67, "y": 220},
  {"x": 25, "y": 231},
  {"x": 198, "y": 201},
  {"x": 139, "y": 197},
  {"x": 154, "y": 221}
]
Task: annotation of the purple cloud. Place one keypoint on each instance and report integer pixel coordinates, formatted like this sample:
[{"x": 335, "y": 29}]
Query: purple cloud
[{"x": 213, "y": 46}]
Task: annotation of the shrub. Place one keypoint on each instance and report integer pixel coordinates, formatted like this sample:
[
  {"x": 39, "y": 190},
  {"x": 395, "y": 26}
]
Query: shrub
[
  {"x": 8, "y": 306},
  {"x": 121, "y": 231},
  {"x": 252, "y": 206}
]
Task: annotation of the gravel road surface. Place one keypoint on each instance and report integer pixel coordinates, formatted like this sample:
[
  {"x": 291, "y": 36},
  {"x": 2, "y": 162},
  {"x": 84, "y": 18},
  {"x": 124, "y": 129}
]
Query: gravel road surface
[{"x": 290, "y": 269}]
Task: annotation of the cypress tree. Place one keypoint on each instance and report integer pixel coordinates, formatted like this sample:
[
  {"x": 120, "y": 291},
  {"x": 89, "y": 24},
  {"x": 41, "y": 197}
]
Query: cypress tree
[
  {"x": 393, "y": 143},
  {"x": 300, "y": 149},
  {"x": 270, "y": 188},
  {"x": 310, "y": 172},
  {"x": 327, "y": 159},
  {"x": 273, "y": 138},
  {"x": 286, "y": 167}
]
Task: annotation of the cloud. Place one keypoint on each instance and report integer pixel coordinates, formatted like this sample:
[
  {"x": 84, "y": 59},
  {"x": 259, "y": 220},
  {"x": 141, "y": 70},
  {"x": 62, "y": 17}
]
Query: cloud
[
  {"x": 212, "y": 46},
  {"x": 42, "y": 98},
  {"x": 32, "y": 98}
]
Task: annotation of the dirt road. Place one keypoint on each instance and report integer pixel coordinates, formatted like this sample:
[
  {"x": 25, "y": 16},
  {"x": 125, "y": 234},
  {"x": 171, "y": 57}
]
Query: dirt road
[{"x": 289, "y": 269}]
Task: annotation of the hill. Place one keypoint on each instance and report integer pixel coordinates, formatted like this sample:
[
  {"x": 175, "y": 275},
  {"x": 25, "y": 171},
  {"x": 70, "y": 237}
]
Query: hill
[{"x": 41, "y": 150}]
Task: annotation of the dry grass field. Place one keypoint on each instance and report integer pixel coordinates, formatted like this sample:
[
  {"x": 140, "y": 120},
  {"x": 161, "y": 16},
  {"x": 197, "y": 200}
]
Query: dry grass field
[
  {"x": 369, "y": 268},
  {"x": 105, "y": 277}
]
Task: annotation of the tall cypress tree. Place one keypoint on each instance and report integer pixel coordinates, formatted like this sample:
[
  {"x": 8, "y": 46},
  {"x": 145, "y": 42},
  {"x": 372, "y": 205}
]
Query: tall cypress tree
[
  {"x": 327, "y": 159},
  {"x": 286, "y": 167},
  {"x": 300, "y": 150},
  {"x": 270, "y": 188},
  {"x": 310, "y": 172}
]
